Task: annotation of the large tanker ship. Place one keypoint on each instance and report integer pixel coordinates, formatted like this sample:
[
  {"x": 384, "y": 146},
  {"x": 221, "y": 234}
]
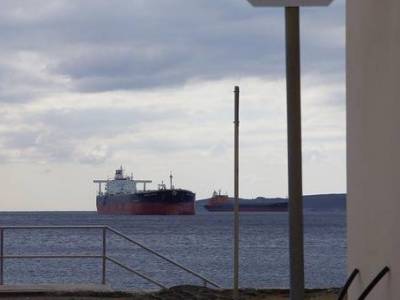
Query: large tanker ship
[
  {"x": 220, "y": 202},
  {"x": 122, "y": 196}
]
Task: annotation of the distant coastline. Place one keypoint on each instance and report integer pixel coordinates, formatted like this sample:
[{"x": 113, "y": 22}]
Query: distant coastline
[{"x": 317, "y": 202}]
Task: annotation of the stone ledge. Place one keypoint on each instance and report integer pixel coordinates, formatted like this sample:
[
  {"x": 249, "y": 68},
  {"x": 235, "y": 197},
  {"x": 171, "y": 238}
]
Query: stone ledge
[{"x": 183, "y": 292}]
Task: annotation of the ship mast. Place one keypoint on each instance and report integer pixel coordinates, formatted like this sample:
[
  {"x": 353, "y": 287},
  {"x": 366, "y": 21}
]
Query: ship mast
[{"x": 170, "y": 181}]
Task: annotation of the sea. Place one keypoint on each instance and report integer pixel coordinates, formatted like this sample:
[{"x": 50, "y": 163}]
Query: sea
[{"x": 202, "y": 243}]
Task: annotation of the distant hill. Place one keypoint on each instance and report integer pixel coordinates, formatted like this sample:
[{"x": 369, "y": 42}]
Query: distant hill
[
  {"x": 319, "y": 202},
  {"x": 325, "y": 202}
]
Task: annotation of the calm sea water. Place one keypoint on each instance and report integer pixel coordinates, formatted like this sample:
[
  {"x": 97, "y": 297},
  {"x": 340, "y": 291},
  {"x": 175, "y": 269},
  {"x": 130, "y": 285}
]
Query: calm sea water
[{"x": 202, "y": 242}]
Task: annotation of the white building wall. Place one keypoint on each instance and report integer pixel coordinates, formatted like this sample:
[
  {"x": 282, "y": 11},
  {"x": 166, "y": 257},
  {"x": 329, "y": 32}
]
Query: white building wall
[{"x": 373, "y": 141}]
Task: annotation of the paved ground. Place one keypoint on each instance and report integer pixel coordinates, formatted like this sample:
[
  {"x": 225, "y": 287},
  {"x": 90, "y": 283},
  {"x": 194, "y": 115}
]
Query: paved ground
[{"x": 90, "y": 292}]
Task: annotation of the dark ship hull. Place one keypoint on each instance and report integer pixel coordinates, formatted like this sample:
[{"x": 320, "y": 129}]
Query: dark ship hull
[
  {"x": 220, "y": 202},
  {"x": 157, "y": 202},
  {"x": 273, "y": 207}
]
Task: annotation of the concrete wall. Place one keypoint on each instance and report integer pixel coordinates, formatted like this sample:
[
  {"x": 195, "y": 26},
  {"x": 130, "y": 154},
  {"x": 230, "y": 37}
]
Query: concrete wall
[{"x": 373, "y": 141}]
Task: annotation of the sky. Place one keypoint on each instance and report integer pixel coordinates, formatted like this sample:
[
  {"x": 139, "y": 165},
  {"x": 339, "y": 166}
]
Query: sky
[{"x": 87, "y": 86}]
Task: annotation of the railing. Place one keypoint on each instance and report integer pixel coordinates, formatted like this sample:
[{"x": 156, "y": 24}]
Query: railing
[
  {"x": 374, "y": 282},
  {"x": 104, "y": 257},
  {"x": 349, "y": 281},
  {"x": 368, "y": 289}
]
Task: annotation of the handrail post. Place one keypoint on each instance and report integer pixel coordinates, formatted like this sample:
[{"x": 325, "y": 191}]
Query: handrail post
[
  {"x": 103, "y": 280},
  {"x": 1, "y": 255},
  {"x": 102, "y": 256}
]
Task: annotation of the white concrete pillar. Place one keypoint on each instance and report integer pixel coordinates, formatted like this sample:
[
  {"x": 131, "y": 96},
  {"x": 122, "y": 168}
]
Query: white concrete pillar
[{"x": 373, "y": 141}]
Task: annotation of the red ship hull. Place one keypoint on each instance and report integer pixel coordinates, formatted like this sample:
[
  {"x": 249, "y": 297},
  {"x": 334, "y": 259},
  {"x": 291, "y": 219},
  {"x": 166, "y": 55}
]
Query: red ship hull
[
  {"x": 161, "y": 202},
  {"x": 148, "y": 209}
]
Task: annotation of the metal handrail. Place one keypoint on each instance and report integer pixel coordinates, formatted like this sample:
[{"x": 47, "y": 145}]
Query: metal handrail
[
  {"x": 346, "y": 286},
  {"x": 50, "y": 256},
  {"x": 374, "y": 282},
  {"x": 205, "y": 280},
  {"x": 55, "y": 227},
  {"x": 104, "y": 256},
  {"x": 136, "y": 272}
]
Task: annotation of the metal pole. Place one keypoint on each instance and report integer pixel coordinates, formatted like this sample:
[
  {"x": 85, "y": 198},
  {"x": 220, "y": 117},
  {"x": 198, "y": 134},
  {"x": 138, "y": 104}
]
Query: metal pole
[
  {"x": 1, "y": 255},
  {"x": 236, "y": 207},
  {"x": 294, "y": 153},
  {"x": 104, "y": 256}
]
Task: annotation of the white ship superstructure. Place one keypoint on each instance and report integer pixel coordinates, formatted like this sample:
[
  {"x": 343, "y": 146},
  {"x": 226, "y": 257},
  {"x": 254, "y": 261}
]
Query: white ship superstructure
[{"x": 120, "y": 184}]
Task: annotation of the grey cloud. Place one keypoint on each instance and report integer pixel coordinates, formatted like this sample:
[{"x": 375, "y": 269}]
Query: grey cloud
[
  {"x": 120, "y": 62},
  {"x": 65, "y": 134},
  {"x": 100, "y": 122},
  {"x": 36, "y": 145},
  {"x": 140, "y": 44},
  {"x": 24, "y": 77},
  {"x": 95, "y": 155},
  {"x": 314, "y": 155},
  {"x": 166, "y": 144},
  {"x": 20, "y": 139}
]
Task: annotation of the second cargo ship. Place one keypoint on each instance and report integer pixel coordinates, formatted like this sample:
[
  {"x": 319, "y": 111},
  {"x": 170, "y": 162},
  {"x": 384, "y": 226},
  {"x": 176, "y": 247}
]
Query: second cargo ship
[
  {"x": 122, "y": 196},
  {"x": 220, "y": 202}
]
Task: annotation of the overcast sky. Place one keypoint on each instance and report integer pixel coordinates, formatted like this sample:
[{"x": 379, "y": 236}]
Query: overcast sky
[{"x": 86, "y": 86}]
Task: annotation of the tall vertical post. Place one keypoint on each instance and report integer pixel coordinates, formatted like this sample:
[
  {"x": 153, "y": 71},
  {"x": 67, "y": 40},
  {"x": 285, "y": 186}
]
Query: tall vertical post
[
  {"x": 236, "y": 205},
  {"x": 294, "y": 153},
  {"x": 1, "y": 256},
  {"x": 104, "y": 256}
]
